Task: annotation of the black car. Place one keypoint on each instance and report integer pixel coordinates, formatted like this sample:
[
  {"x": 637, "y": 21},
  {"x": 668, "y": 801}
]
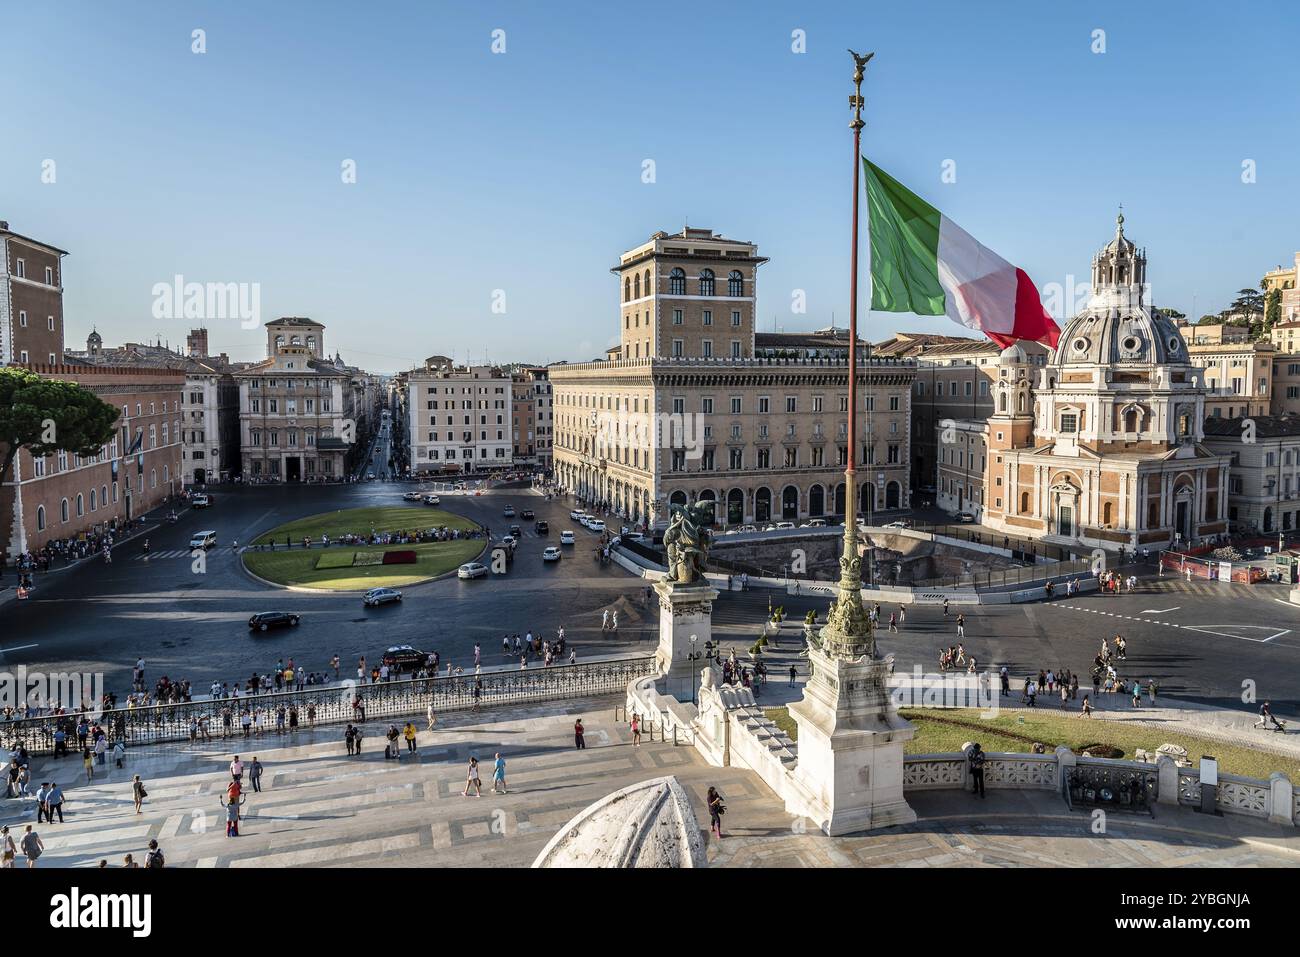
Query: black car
[
  {"x": 272, "y": 619},
  {"x": 526, "y": 513},
  {"x": 404, "y": 658},
  {"x": 515, "y": 531},
  {"x": 542, "y": 528}
]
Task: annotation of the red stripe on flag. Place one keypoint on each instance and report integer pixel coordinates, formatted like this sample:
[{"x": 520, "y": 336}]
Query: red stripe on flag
[{"x": 1033, "y": 322}]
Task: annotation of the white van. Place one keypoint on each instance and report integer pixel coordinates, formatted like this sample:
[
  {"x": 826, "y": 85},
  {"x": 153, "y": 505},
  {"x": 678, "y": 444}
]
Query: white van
[{"x": 204, "y": 540}]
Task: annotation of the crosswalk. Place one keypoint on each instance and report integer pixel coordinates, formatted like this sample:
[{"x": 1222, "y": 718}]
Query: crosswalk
[
  {"x": 1102, "y": 613},
  {"x": 164, "y": 554}
]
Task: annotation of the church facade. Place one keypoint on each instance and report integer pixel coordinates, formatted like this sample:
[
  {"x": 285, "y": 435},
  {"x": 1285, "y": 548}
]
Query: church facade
[{"x": 1104, "y": 446}]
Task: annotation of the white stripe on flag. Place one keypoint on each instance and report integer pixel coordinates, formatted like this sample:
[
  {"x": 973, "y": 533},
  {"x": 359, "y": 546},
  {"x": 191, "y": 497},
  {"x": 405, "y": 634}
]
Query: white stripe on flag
[{"x": 979, "y": 285}]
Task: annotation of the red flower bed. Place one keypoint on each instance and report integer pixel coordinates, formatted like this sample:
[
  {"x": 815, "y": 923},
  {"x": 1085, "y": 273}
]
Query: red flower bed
[{"x": 399, "y": 558}]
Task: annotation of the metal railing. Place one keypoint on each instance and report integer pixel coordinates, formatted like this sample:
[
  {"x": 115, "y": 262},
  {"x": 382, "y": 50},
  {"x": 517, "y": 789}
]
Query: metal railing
[
  {"x": 1006, "y": 577},
  {"x": 336, "y": 704}
]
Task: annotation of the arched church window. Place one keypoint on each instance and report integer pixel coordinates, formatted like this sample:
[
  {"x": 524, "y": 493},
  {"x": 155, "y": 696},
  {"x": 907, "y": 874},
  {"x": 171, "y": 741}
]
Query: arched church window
[{"x": 1024, "y": 503}]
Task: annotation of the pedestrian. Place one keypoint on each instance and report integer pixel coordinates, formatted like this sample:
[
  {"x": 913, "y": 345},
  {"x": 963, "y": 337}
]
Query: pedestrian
[
  {"x": 356, "y": 739},
  {"x": 1005, "y": 679},
  {"x": 1151, "y": 690},
  {"x": 472, "y": 779},
  {"x": 54, "y": 803},
  {"x": 432, "y": 716},
  {"x": 349, "y": 736},
  {"x": 155, "y": 856},
  {"x": 579, "y": 735},
  {"x": 945, "y": 608},
  {"x": 138, "y": 793},
  {"x": 237, "y": 770},
  {"x": 8, "y": 850},
  {"x": 232, "y": 813},
  {"x": 961, "y": 626},
  {"x": 976, "y": 759},
  {"x": 794, "y": 673},
  {"x": 31, "y": 845},
  {"x": 89, "y": 761},
  {"x": 255, "y": 774},
  {"x": 499, "y": 774},
  {"x": 716, "y": 810},
  {"x": 1087, "y": 707},
  {"x": 636, "y": 730},
  {"x": 409, "y": 733},
  {"x": 893, "y": 622}
]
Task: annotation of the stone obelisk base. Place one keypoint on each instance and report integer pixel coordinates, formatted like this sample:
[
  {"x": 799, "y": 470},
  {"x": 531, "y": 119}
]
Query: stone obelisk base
[
  {"x": 684, "y": 610},
  {"x": 850, "y": 772}
]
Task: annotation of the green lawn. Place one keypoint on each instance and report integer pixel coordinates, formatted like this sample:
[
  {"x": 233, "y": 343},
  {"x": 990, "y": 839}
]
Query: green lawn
[
  {"x": 361, "y": 521},
  {"x": 1016, "y": 731},
  {"x": 333, "y": 568}
]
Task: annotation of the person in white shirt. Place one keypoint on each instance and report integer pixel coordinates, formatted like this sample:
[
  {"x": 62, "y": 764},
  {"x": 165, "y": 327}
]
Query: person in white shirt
[{"x": 237, "y": 769}]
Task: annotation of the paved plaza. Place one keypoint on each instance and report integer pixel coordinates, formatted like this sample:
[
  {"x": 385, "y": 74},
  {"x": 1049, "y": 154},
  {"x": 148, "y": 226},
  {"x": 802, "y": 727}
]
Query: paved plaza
[{"x": 320, "y": 807}]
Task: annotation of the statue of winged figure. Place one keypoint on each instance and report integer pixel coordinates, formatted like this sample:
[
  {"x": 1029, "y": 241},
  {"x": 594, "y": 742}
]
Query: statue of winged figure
[{"x": 687, "y": 541}]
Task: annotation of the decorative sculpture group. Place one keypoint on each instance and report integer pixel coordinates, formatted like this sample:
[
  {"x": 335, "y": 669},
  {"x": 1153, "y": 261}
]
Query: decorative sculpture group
[{"x": 687, "y": 542}]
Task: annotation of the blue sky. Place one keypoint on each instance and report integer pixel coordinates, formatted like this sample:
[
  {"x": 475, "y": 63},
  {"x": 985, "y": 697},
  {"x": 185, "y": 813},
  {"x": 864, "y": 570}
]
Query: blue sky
[{"x": 522, "y": 171}]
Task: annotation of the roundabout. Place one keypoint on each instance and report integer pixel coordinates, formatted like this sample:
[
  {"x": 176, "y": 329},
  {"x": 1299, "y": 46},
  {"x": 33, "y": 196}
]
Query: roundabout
[{"x": 388, "y": 546}]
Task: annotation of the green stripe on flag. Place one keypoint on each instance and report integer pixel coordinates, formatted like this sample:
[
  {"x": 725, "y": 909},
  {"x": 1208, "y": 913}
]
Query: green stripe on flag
[{"x": 904, "y": 234}]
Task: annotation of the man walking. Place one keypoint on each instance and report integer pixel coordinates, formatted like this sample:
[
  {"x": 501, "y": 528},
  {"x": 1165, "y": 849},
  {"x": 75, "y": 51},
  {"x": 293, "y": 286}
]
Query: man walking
[
  {"x": 499, "y": 775},
  {"x": 961, "y": 626},
  {"x": 255, "y": 774},
  {"x": 579, "y": 735},
  {"x": 793, "y": 674},
  {"x": 54, "y": 800},
  {"x": 237, "y": 770}
]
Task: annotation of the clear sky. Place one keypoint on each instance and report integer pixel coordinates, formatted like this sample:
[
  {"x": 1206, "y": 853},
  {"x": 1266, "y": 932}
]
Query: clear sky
[{"x": 522, "y": 171}]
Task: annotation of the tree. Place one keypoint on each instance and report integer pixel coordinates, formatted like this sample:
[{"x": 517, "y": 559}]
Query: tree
[
  {"x": 48, "y": 415},
  {"x": 1173, "y": 314},
  {"x": 1272, "y": 308},
  {"x": 1249, "y": 301}
]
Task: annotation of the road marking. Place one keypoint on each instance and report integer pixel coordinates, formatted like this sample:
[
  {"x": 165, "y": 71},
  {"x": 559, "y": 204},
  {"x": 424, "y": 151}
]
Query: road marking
[
  {"x": 1210, "y": 630},
  {"x": 1159, "y": 611},
  {"x": 5, "y": 651},
  {"x": 1284, "y": 631},
  {"x": 1283, "y": 601}
]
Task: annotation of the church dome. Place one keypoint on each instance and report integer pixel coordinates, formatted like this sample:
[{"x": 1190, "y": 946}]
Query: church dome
[
  {"x": 1111, "y": 334},
  {"x": 1118, "y": 325},
  {"x": 1013, "y": 354}
]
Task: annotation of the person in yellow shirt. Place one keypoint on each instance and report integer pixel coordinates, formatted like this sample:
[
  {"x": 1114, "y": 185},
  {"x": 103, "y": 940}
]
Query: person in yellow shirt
[
  {"x": 288, "y": 679},
  {"x": 409, "y": 733}
]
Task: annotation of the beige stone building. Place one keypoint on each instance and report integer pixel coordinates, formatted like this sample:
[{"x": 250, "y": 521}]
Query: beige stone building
[
  {"x": 1264, "y": 476},
  {"x": 758, "y": 427},
  {"x": 1112, "y": 453},
  {"x": 1283, "y": 278},
  {"x": 1238, "y": 377},
  {"x": 460, "y": 417},
  {"x": 296, "y": 419},
  {"x": 689, "y": 294}
]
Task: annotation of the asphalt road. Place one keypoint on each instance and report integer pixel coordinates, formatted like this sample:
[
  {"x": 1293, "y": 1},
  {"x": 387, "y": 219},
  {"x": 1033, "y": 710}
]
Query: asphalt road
[
  {"x": 1205, "y": 640},
  {"x": 99, "y": 618}
]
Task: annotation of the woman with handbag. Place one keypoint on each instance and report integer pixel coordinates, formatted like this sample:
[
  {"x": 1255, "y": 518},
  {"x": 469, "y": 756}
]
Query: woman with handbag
[
  {"x": 8, "y": 850},
  {"x": 716, "y": 810},
  {"x": 138, "y": 793}
]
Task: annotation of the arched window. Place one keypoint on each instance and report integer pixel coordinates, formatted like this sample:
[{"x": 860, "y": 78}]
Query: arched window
[
  {"x": 1106, "y": 513},
  {"x": 1024, "y": 503},
  {"x": 81, "y": 505},
  {"x": 94, "y": 500},
  {"x": 1131, "y": 420},
  {"x": 706, "y": 282},
  {"x": 1002, "y": 401},
  {"x": 677, "y": 282},
  {"x": 735, "y": 283},
  {"x": 627, "y": 290},
  {"x": 40, "y": 518},
  {"x": 647, "y": 282},
  {"x": 636, "y": 287},
  {"x": 63, "y": 510}
]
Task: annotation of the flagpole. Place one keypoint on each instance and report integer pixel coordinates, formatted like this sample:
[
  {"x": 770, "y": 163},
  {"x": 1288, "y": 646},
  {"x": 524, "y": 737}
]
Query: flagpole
[{"x": 848, "y": 633}]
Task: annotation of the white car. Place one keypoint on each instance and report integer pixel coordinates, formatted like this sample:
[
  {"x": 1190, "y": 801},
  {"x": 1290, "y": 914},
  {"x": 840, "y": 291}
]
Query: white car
[
  {"x": 199, "y": 501},
  {"x": 817, "y": 523},
  {"x": 551, "y": 554},
  {"x": 566, "y": 537},
  {"x": 205, "y": 540},
  {"x": 747, "y": 528},
  {"x": 432, "y": 500},
  {"x": 896, "y": 525},
  {"x": 412, "y": 496},
  {"x": 577, "y": 514},
  {"x": 785, "y": 525},
  {"x": 595, "y": 524},
  {"x": 509, "y": 541},
  {"x": 471, "y": 570}
]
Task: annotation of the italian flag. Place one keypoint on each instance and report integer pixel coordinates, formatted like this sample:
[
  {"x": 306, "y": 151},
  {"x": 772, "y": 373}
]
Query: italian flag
[{"x": 923, "y": 262}]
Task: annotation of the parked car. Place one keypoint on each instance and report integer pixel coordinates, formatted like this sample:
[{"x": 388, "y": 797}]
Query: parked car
[
  {"x": 596, "y": 525},
  {"x": 404, "y": 658},
  {"x": 526, "y": 514},
  {"x": 785, "y": 525},
  {"x": 897, "y": 525},
  {"x": 510, "y": 511},
  {"x": 566, "y": 537},
  {"x": 551, "y": 554},
  {"x": 471, "y": 570},
  {"x": 542, "y": 528},
  {"x": 817, "y": 523},
  {"x": 432, "y": 500},
  {"x": 272, "y": 619},
  {"x": 577, "y": 514},
  {"x": 380, "y": 596},
  {"x": 200, "y": 500},
  {"x": 747, "y": 528},
  {"x": 965, "y": 518},
  {"x": 205, "y": 539}
]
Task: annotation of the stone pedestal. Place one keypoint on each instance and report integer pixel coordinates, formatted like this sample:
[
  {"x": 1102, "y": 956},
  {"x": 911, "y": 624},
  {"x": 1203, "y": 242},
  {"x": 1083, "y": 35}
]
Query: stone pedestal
[
  {"x": 684, "y": 610},
  {"x": 850, "y": 772}
]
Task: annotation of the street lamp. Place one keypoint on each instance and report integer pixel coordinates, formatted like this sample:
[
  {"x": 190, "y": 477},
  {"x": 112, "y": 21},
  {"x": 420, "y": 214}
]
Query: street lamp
[{"x": 693, "y": 657}]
